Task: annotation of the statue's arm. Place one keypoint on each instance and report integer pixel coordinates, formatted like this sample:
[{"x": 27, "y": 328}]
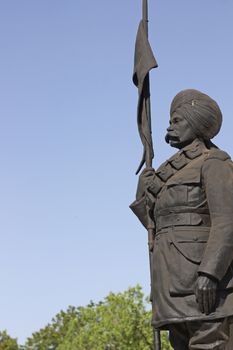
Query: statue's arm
[
  {"x": 143, "y": 206},
  {"x": 217, "y": 179},
  {"x": 218, "y": 184}
]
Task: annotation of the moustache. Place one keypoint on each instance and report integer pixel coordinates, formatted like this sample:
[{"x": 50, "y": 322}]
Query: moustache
[{"x": 170, "y": 137}]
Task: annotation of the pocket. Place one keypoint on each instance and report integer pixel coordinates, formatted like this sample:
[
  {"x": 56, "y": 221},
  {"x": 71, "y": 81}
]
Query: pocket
[
  {"x": 186, "y": 177},
  {"x": 186, "y": 250},
  {"x": 183, "y": 188},
  {"x": 175, "y": 195}
]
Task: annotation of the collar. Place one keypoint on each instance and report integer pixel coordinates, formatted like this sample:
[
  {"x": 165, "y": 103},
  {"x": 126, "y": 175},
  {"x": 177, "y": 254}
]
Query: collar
[
  {"x": 194, "y": 149},
  {"x": 180, "y": 159}
]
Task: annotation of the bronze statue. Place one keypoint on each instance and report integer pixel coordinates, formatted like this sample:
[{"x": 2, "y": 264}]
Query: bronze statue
[{"x": 190, "y": 201}]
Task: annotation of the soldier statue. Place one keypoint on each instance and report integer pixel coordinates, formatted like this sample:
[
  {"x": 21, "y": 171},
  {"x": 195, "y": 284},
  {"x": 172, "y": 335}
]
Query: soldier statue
[{"x": 190, "y": 200}]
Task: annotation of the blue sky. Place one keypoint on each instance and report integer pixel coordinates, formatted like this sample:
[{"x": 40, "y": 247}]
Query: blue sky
[{"x": 69, "y": 145}]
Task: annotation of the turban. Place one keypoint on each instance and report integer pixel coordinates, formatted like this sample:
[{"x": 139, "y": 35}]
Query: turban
[{"x": 201, "y": 112}]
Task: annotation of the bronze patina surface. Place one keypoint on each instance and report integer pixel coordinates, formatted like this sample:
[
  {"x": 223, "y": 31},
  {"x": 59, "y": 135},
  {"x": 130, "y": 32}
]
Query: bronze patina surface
[{"x": 190, "y": 200}]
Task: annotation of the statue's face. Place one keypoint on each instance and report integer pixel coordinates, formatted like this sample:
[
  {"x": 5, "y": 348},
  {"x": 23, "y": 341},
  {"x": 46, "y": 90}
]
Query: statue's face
[{"x": 179, "y": 133}]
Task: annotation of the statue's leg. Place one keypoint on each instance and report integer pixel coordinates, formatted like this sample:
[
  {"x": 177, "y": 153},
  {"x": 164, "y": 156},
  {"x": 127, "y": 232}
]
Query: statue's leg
[
  {"x": 179, "y": 336},
  {"x": 212, "y": 335}
]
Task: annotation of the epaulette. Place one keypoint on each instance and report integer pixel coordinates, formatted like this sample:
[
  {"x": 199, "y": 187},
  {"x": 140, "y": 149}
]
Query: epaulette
[{"x": 215, "y": 153}]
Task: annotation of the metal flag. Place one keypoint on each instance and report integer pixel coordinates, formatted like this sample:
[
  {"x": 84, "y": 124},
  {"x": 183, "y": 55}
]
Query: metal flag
[{"x": 144, "y": 61}]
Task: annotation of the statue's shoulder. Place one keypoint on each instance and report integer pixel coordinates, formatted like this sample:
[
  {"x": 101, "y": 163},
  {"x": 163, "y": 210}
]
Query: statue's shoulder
[{"x": 216, "y": 153}]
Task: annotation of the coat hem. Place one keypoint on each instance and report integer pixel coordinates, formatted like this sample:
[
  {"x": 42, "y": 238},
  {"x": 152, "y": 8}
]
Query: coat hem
[{"x": 165, "y": 324}]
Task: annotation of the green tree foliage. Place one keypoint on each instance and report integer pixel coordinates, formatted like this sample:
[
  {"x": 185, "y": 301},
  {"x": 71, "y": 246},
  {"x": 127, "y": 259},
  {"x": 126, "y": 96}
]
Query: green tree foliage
[
  {"x": 7, "y": 343},
  {"x": 120, "y": 322}
]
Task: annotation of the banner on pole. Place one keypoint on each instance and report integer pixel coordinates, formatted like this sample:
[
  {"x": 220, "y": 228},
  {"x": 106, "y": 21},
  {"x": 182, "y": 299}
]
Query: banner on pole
[{"x": 144, "y": 61}]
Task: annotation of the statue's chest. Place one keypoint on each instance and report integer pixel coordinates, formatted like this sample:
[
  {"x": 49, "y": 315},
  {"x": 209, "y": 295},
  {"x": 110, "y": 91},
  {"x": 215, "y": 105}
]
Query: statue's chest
[{"x": 183, "y": 189}]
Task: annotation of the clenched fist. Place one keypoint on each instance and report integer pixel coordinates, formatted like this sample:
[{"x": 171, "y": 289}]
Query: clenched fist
[{"x": 205, "y": 291}]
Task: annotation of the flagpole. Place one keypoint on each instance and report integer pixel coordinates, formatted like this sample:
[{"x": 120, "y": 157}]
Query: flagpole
[
  {"x": 148, "y": 159},
  {"x": 148, "y": 151},
  {"x": 145, "y": 15}
]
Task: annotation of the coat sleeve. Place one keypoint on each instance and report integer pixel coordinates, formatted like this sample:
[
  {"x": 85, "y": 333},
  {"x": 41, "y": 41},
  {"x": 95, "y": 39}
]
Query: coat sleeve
[
  {"x": 217, "y": 176},
  {"x": 143, "y": 209},
  {"x": 143, "y": 206},
  {"x": 138, "y": 207}
]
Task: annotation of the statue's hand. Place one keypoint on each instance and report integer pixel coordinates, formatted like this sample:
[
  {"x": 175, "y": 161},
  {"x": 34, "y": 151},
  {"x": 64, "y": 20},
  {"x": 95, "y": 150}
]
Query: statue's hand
[
  {"x": 145, "y": 179},
  {"x": 205, "y": 291}
]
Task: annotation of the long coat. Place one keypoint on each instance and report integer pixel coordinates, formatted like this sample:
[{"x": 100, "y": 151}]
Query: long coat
[{"x": 191, "y": 204}]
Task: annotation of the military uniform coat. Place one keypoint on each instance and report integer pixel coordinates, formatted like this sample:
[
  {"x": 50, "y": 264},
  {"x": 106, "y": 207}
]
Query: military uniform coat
[{"x": 191, "y": 204}]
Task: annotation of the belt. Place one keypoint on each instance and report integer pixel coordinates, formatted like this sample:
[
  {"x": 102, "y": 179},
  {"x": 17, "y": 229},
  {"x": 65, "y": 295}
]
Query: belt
[{"x": 182, "y": 219}]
